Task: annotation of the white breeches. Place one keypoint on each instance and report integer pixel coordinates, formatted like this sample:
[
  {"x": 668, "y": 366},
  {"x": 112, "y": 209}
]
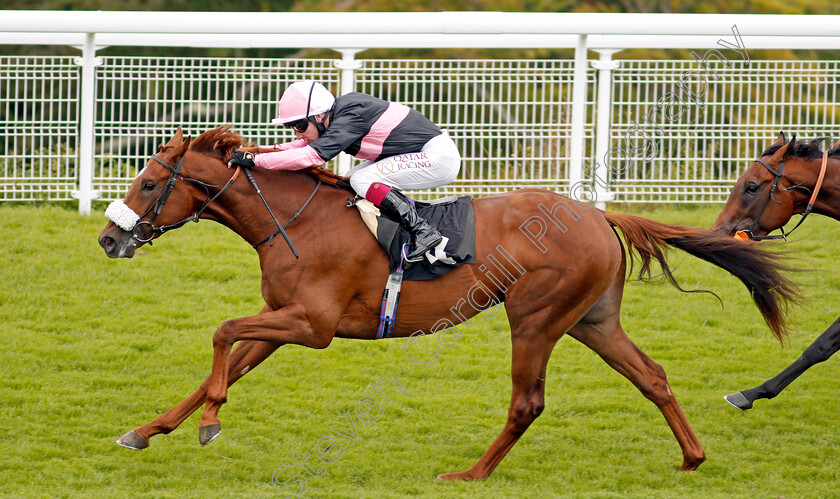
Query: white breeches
[{"x": 437, "y": 164}]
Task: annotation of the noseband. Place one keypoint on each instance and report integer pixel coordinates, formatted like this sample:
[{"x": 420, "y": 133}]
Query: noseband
[{"x": 778, "y": 176}]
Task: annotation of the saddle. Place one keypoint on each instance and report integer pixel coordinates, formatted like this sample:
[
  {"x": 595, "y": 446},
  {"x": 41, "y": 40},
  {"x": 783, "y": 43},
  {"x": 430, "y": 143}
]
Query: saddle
[{"x": 453, "y": 217}]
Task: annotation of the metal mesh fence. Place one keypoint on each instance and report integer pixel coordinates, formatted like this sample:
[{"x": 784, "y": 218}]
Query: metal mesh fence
[
  {"x": 692, "y": 146},
  {"x": 511, "y": 119},
  {"x": 38, "y": 128}
]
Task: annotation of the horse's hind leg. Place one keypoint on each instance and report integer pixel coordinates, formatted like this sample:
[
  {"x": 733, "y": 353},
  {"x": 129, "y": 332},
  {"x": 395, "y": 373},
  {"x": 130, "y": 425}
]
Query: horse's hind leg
[
  {"x": 601, "y": 331},
  {"x": 246, "y": 356},
  {"x": 530, "y": 357},
  {"x": 826, "y": 345}
]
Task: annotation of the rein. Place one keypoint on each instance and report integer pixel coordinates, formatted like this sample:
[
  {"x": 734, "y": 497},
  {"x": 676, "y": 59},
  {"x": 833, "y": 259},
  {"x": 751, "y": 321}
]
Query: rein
[
  {"x": 281, "y": 229},
  {"x": 748, "y": 234}
]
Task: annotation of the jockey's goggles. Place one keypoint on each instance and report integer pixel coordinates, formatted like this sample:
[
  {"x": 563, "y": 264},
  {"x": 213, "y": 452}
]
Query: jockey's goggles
[{"x": 300, "y": 125}]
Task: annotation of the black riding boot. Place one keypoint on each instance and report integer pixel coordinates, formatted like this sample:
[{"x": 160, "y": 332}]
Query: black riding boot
[{"x": 425, "y": 237}]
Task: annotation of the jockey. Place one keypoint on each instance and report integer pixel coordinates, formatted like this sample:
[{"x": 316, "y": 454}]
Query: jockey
[{"x": 402, "y": 148}]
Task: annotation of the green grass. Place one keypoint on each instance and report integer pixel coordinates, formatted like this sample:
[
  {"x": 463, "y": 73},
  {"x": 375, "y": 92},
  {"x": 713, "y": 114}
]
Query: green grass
[{"x": 94, "y": 347}]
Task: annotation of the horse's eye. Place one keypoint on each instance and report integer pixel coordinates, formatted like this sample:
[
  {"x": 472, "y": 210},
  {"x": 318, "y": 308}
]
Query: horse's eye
[
  {"x": 751, "y": 188},
  {"x": 148, "y": 186}
]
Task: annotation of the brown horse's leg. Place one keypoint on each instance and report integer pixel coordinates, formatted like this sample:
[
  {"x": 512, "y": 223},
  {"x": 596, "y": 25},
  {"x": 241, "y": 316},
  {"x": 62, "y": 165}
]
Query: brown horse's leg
[
  {"x": 287, "y": 325},
  {"x": 245, "y": 357},
  {"x": 530, "y": 357},
  {"x": 608, "y": 340}
]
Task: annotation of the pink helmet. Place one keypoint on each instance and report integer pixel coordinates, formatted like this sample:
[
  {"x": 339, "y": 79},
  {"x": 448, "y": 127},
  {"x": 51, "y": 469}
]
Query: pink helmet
[{"x": 293, "y": 104}]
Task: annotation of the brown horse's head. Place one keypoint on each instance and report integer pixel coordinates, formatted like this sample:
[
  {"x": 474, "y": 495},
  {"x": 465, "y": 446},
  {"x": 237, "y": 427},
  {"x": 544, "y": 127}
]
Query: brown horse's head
[
  {"x": 167, "y": 191},
  {"x": 754, "y": 205},
  {"x": 129, "y": 227}
]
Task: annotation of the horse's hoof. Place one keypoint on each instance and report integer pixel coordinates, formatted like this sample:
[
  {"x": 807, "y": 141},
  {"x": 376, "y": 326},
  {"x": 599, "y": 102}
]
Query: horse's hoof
[
  {"x": 132, "y": 440},
  {"x": 738, "y": 400},
  {"x": 207, "y": 434},
  {"x": 454, "y": 477},
  {"x": 693, "y": 464}
]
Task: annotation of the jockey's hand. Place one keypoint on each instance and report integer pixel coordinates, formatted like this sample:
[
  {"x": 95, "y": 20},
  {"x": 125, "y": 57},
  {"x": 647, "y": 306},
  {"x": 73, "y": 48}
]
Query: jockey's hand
[{"x": 242, "y": 158}]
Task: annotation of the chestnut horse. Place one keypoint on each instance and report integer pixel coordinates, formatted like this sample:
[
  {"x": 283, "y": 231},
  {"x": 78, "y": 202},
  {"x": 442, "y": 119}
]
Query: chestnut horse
[
  {"x": 558, "y": 265},
  {"x": 789, "y": 178}
]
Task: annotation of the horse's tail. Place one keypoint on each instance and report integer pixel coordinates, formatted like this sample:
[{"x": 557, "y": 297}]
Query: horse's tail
[{"x": 759, "y": 269}]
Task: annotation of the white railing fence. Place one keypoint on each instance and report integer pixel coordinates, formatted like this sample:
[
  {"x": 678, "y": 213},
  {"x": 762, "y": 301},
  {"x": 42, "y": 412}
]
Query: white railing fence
[
  {"x": 629, "y": 130},
  {"x": 39, "y": 127}
]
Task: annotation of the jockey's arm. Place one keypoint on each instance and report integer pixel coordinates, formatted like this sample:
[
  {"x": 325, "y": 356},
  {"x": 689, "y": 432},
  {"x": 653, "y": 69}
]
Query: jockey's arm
[
  {"x": 283, "y": 146},
  {"x": 289, "y": 159},
  {"x": 340, "y": 134}
]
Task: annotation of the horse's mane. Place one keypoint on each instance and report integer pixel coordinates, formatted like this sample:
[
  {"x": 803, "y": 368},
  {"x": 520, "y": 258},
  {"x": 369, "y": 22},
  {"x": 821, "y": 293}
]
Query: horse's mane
[
  {"x": 221, "y": 142},
  {"x": 807, "y": 150}
]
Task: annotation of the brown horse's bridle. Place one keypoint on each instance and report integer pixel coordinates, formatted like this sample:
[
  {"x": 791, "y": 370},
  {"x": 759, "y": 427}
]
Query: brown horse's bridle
[
  {"x": 748, "y": 234},
  {"x": 139, "y": 233}
]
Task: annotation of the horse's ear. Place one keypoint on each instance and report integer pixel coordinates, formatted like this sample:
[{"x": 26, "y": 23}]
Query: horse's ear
[
  {"x": 782, "y": 152},
  {"x": 791, "y": 146},
  {"x": 181, "y": 148},
  {"x": 780, "y": 139},
  {"x": 176, "y": 139}
]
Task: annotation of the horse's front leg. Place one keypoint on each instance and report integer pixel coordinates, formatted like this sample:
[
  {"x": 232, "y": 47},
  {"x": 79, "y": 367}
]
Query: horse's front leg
[
  {"x": 246, "y": 356},
  {"x": 826, "y": 345},
  {"x": 290, "y": 324}
]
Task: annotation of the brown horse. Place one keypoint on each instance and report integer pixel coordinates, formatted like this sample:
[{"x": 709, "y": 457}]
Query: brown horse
[
  {"x": 558, "y": 265},
  {"x": 789, "y": 178}
]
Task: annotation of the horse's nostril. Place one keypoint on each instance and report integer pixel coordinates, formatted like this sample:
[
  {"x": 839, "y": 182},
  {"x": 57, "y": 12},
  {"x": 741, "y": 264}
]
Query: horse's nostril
[{"x": 107, "y": 243}]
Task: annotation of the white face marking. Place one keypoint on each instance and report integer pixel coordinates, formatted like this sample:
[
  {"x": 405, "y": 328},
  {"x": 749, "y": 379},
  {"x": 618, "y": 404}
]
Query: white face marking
[
  {"x": 140, "y": 172},
  {"x": 245, "y": 370}
]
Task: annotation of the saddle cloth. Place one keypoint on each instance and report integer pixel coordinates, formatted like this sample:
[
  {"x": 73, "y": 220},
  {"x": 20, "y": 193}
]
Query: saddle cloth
[{"x": 454, "y": 218}]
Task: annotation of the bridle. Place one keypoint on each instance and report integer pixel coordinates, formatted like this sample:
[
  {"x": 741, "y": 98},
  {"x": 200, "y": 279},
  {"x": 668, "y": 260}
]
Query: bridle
[
  {"x": 748, "y": 234},
  {"x": 139, "y": 231}
]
